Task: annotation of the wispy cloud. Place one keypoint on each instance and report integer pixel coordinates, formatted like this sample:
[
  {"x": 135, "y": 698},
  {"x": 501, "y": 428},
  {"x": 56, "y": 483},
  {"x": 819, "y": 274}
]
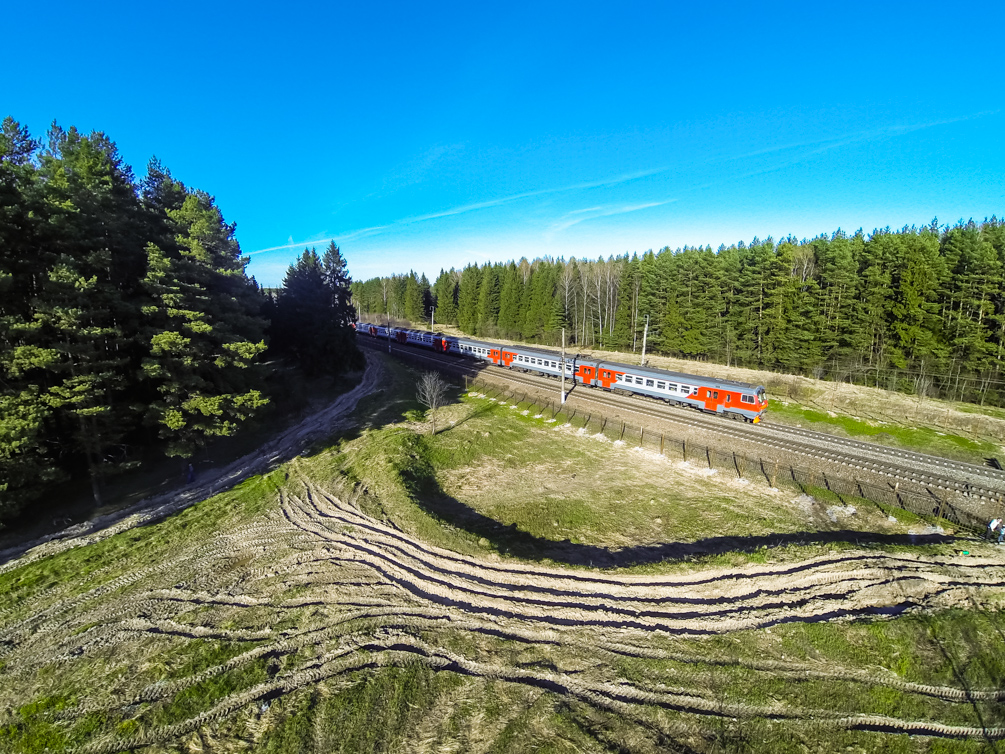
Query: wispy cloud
[
  {"x": 592, "y": 213},
  {"x": 476, "y": 206},
  {"x": 855, "y": 137},
  {"x": 351, "y": 236}
]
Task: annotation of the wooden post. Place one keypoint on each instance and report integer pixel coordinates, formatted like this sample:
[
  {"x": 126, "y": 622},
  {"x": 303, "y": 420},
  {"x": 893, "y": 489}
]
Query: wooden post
[
  {"x": 642, "y": 435},
  {"x": 774, "y": 474},
  {"x": 662, "y": 438},
  {"x": 683, "y": 449},
  {"x": 708, "y": 456},
  {"x": 622, "y": 436}
]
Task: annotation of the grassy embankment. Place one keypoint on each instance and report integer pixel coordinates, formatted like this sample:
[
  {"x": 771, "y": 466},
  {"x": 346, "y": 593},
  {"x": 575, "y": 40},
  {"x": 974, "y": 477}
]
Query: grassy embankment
[
  {"x": 961, "y": 431},
  {"x": 495, "y": 481}
]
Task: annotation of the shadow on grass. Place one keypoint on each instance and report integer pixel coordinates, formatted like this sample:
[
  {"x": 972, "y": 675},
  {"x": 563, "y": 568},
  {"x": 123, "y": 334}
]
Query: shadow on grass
[{"x": 509, "y": 538}]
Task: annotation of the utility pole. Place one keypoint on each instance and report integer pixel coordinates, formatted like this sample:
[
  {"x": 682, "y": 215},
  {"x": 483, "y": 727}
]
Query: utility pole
[
  {"x": 432, "y": 319},
  {"x": 388, "y": 316},
  {"x": 563, "y": 365},
  {"x": 645, "y": 332}
]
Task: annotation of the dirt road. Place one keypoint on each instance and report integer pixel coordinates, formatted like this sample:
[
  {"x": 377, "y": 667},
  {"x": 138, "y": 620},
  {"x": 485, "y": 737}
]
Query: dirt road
[{"x": 321, "y": 424}]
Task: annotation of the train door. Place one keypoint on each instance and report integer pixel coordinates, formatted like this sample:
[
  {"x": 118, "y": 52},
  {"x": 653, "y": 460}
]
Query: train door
[
  {"x": 606, "y": 377},
  {"x": 711, "y": 399},
  {"x": 507, "y": 358},
  {"x": 588, "y": 375},
  {"x": 494, "y": 355}
]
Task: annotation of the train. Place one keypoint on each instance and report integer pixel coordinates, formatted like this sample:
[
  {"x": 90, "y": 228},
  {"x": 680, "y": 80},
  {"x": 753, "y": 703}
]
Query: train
[{"x": 726, "y": 398}]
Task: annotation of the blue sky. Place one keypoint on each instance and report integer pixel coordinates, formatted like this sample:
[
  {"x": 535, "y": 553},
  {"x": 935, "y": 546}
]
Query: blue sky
[{"x": 425, "y": 136}]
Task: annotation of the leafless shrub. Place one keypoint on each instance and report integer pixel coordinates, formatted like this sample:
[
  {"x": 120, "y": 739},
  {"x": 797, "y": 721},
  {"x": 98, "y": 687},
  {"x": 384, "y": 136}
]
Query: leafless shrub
[{"x": 431, "y": 392}]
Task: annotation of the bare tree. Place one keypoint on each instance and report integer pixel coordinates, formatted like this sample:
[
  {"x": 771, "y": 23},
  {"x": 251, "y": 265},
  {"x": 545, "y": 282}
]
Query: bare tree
[{"x": 431, "y": 392}]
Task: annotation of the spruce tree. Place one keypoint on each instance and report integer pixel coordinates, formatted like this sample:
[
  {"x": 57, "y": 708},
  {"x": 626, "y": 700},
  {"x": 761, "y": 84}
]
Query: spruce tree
[
  {"x": 413, "y": 304},
  {"x": 467, "y": 299}
]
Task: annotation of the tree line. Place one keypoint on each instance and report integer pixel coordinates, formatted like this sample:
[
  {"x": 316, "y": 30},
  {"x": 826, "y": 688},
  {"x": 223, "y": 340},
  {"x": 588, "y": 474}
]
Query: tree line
[
  {"x": 127, "y": 320},
  {"x": 921, "y": 310}
]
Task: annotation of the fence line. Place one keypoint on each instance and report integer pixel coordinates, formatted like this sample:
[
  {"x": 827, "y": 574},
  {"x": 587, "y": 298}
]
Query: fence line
[
  {"x": 928, "y": 504},
  {"x": 953, "y": 508}
]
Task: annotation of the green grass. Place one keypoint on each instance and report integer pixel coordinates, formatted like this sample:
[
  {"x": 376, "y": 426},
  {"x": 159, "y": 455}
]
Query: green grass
[
  {"x": 34, "y": 732},
  {"x": 410, "y": 478},
  {"x": 921, "y": 439},
  {"x": 545, "y": 492}
]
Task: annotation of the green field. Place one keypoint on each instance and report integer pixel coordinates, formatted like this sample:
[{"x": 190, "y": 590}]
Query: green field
[{"x": 213, "y": 630}]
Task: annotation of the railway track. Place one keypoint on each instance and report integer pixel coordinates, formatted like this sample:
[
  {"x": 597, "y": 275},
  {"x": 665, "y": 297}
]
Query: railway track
[{"x": 902, "y": 467}]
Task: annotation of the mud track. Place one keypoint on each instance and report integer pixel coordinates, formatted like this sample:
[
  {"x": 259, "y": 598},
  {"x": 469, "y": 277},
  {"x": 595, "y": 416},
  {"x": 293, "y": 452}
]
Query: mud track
[{"x": 371, "y": 596}]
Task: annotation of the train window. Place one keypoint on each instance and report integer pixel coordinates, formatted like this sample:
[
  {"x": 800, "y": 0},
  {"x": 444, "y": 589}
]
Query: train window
[
  {"x": 672, "y": 387},
  {"x": 639, "y": 381},
  {"x": 746, "y": 399},
  {"x": 727, "y": 397},
  {"x": 661, "y": 386},
  {"x": 716, "y": 395},
  {"x": 649, "y": 383}
]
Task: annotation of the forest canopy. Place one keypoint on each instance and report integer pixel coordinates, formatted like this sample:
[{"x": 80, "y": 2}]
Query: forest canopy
[
  {"x": 127, "y": 320},
  {"x": 920, "y": 309}
]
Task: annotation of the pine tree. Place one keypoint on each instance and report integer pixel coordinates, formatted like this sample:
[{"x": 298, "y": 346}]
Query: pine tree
[
  {"x": 203, "y": 330},
  {"x": 89, "y": 298},
  {"x": 26, "y": 465}
]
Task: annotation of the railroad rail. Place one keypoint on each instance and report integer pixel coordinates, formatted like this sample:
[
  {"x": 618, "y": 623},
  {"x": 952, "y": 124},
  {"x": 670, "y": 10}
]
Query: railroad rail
[{"x": 902, "y": 467}]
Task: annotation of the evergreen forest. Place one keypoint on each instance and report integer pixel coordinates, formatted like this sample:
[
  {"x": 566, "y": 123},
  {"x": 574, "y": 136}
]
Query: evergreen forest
[
  {"x": 921, "y": 310},
  {"x": 128, "y": 325}
]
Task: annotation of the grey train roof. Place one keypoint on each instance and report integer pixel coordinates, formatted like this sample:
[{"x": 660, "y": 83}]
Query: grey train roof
[
  {"x": 679, "y": 376},
  {"x": 662, "y": 374}
]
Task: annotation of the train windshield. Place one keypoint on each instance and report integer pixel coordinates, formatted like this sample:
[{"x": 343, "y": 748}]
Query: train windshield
[{"x": 760, "y": 393}]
